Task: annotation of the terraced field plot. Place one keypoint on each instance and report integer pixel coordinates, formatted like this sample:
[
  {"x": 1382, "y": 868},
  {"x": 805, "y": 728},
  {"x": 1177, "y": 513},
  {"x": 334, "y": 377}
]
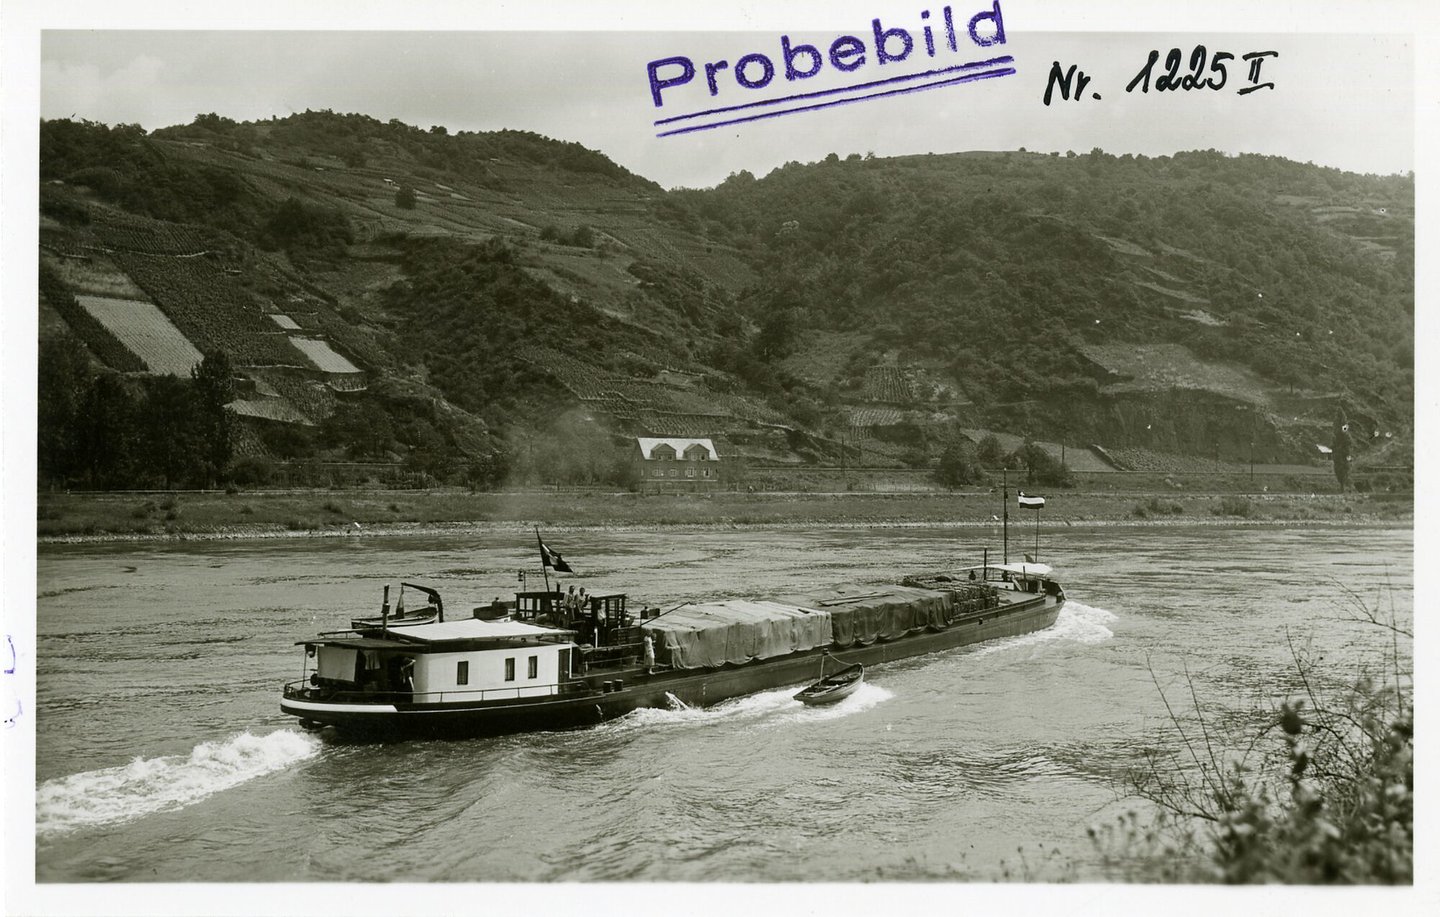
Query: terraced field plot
[
  {"x": 211, "y": 308},
  {"x": 1158, "y": 367},
  {"x": 145, "y": 332},
  {"x": 325, "y": 359}
]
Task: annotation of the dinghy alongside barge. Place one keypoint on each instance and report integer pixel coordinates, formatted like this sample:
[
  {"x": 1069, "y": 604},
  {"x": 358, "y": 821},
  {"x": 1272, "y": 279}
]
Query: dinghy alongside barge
[
  {"x": 551, "y": 664},
  {"x": 831, "y": 689}
]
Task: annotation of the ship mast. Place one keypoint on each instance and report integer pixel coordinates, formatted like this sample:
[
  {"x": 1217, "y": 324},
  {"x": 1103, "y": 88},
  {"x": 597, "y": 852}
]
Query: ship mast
[{"x": 1005, "y": 511}]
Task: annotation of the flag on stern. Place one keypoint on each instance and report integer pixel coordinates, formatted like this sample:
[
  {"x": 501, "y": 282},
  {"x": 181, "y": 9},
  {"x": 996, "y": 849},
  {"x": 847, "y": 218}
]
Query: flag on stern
[
  {"x": 552, "y": 559},
  {"x": 1035, "y": 502}
]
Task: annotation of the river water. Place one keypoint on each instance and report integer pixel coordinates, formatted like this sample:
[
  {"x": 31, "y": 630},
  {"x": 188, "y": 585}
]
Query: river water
[{"x": 162, "y": 756}]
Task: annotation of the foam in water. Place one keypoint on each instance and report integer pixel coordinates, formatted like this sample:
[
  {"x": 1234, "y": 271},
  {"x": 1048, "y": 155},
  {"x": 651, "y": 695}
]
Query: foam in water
[
  {"x": 866, "y": 696},
  {"x": 148, "y": 785},
  {"x": 771, "y": 707},
  {"x": 1078, "y": 623}
]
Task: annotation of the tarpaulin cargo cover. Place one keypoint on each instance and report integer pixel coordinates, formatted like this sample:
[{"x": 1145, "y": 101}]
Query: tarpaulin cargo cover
[
  {"x": 866, "y": 613},
  {"x": 698, "y": 636}
]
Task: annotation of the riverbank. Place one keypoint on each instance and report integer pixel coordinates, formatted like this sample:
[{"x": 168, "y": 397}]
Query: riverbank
[{"x": 271, "y": 514}]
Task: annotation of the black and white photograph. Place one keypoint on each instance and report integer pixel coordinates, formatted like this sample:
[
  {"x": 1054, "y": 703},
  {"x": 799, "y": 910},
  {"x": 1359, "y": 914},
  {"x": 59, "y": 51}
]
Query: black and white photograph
[{"x": 650, "y": 458}]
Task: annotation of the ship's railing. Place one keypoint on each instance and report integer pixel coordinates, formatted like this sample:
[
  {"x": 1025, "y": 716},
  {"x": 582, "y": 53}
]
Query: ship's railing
[{"x": 303, "y": 690}]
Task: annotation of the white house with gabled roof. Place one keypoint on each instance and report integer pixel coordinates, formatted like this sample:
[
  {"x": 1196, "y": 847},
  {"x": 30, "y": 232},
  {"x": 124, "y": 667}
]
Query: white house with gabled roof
[{"x": 678, "y": 464}]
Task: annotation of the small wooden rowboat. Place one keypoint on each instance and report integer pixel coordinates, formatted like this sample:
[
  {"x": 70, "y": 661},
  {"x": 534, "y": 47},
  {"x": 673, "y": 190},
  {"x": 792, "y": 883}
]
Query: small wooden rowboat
[
  {"x": 832, "y": 688},
  {"x": 413, "y": 619}
]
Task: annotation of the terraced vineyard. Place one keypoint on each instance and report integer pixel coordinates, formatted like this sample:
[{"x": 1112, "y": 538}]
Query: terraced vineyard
[
  {"x": 1289, "y": 293},
  {"x": 866, "y": 418},
  {"x": 325, "y": 359},
  {"x": 311, "y": 399},
  {"x": 151, "y": 237},
  {"x": 652, "y": 407},
  {"x": 145, "y": 332},
  {"x": 210, "y": 309},
  {"x": 100, "y": 339},
  {"x": 889, "y": 384}
]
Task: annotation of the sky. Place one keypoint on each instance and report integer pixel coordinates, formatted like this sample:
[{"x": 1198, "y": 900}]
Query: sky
[{"x": 1343, "y": 100}]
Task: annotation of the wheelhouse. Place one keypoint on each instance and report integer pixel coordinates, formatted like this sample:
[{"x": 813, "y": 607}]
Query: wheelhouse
[{"x": 441, "y": 663}]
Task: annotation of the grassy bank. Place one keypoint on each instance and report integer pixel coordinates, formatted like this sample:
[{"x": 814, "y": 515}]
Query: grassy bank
[{"x": 263, "y": 513}]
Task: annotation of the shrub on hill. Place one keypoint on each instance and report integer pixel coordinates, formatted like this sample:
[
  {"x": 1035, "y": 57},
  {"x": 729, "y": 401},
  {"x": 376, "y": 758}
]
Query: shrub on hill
[
  {"x": 305, "y": 230},
  {"x": 122, "y": 166},
  {"x": 1330, "y": 802},
  {"x": 1041, "y": 467},
  {"x": 958, "y": 464}
]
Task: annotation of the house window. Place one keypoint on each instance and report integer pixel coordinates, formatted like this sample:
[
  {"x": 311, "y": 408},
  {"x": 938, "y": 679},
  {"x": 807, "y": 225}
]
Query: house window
[
  {"x": 462, "y": 672},
  {"x": 509, "y": 669},
  {"x": 674, "y": 472},
  {"x": 534, "y": 667},
  {"x": 689, "y": 472},
  {"x": 659, "y": 472},
  {"x": 707, "y": 472}
]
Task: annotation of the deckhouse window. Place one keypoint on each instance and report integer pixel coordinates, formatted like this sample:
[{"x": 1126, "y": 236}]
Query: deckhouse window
[
  {"x": 509, "y": 669},
  {"x": 534, "y": 667},
  {"x": 462, "y": 672}
]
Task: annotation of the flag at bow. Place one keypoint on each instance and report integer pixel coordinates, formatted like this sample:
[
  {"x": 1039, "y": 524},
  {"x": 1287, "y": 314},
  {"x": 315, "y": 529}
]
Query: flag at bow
[
  {"x": 551, "y": 559},
  {"x": 1033, "y": 502}
]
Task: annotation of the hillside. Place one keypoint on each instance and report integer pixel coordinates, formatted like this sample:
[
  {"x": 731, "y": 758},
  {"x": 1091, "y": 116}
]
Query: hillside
[{"x": 501, "y": 306}]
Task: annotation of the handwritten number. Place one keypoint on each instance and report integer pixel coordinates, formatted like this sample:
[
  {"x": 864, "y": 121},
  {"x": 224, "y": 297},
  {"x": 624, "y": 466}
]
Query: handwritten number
[
  {"x": 1144, "y": 74},
  {"x": 1217, "y": 65},
  {"x": 1197, "y": 64},
  {"x": 1170, "y": 78}
]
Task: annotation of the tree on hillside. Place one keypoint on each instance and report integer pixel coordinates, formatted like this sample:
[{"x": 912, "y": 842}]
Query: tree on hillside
[
  {"x": 583, "y": 237},
  {"x": 487, "y": 471},
  {"x": 958, "y": 464},
  {"x": 1043, "y": 468},
  {"x": 214, "y": 380},
  {"x": 105, "y": 433},
  {"x": 989, "y": 453},
  {"x": 64, "y": 381},
  {"x": 405, "y": 198},
  {"x": 297, "y": 227},
  {"x": 172, "y": 440}
]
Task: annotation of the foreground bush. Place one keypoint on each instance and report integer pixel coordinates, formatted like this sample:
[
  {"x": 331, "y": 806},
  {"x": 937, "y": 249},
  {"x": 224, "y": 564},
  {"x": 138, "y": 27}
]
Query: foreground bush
[{"x": 1331, "y": 800}]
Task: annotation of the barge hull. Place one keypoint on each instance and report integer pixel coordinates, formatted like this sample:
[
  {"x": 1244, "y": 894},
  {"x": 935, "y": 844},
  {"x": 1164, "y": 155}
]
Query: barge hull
[{"x": 696, "y": 688}]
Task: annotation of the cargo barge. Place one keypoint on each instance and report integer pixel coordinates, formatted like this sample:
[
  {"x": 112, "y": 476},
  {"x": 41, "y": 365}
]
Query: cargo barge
[{"x": 547, "y": 661}]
